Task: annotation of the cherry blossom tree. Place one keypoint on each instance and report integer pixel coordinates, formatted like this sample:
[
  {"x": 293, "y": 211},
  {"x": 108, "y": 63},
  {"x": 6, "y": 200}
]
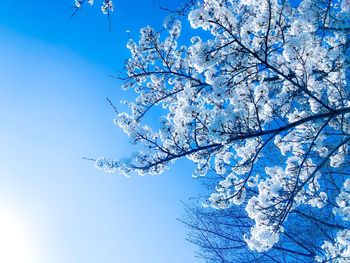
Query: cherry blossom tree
[{"x": 259, "y": 97}]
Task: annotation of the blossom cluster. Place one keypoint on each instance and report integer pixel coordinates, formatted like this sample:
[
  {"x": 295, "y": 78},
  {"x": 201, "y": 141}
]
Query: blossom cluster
[{"x": 106, "y": 6}]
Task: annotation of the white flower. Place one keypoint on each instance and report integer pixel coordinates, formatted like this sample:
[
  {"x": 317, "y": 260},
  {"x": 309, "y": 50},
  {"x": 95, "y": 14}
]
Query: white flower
[
  {"x": 107, "y": 6},
  {"x": 78, "y": 3}
]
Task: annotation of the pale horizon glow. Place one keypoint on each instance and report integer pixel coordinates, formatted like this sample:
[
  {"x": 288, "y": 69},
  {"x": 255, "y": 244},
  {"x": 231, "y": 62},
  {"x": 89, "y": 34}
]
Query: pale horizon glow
[{"x": 16, "y": 244}]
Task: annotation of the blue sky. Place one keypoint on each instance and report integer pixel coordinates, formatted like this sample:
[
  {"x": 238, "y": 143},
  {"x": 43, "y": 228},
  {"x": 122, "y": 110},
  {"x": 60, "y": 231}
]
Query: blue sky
[{"x": 54, "y": 78}]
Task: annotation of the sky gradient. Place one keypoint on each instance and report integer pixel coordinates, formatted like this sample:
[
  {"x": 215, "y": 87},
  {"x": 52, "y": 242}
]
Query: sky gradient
[{"x": 55, "y": 77}]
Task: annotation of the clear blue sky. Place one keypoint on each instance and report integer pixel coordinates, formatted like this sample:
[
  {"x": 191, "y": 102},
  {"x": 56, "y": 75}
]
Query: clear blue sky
[{"x": 54, "y": 78}]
